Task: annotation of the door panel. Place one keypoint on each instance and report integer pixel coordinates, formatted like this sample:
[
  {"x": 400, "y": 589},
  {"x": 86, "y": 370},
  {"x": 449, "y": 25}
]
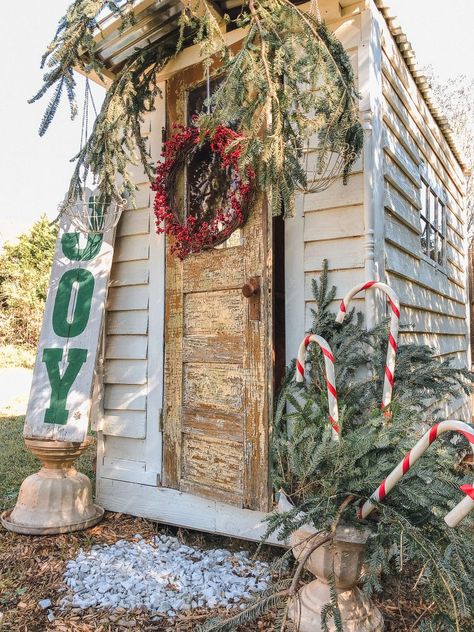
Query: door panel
[{"x": 218, "y": 356}]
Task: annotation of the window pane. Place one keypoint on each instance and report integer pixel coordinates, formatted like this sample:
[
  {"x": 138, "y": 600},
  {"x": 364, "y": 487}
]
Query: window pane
[
  {"x": 432, "y": 208},
  {"x": 432, "y": 244},
  {"x": 441, "y": 247},
  {"x": 424, "y": 236},
  {"x": 424, "y": 195}
]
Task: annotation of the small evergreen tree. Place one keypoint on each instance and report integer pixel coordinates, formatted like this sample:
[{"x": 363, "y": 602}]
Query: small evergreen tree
[
  {"x": 327, "y": 479},
  {"x": 24, "y": 276}
]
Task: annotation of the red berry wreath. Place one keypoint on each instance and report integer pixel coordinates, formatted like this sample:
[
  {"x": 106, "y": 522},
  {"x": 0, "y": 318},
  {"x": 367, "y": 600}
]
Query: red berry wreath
[{"x": 204, "y": 227}]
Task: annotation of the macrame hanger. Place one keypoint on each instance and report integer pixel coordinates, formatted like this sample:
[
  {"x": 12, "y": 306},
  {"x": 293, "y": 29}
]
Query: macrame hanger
[{"x": 88, "y": 97}]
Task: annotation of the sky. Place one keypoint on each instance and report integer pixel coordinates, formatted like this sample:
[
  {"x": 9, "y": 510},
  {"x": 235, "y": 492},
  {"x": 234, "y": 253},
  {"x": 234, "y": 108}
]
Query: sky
[{"x": 35, "y": 172}]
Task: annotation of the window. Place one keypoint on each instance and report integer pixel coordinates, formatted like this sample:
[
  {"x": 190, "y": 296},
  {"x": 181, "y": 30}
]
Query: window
[{"x": 433, "y": 224}]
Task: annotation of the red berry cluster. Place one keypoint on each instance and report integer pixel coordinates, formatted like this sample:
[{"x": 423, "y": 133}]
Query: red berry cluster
[{"x": 196, "y": 234}]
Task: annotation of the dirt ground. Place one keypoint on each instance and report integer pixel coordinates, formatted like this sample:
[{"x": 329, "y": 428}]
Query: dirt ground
[{"x": 32, "y": 569}]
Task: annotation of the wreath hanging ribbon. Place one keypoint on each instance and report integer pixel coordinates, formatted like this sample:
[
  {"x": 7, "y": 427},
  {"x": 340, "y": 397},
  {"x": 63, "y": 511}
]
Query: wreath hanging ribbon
[{"x": 205, "y": 228}]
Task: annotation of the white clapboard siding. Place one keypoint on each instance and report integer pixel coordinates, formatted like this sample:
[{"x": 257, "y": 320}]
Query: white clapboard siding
[
  {"x": 334, "y": 223},
  {"x": 433, "y": 299},
  {"x": 342, "y": 254},
  {"x": 344, "y": 280},
  {"x": 328, "y": 225}
]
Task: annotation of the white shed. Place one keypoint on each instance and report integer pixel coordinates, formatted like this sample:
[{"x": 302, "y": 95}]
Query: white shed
[{"x": 183, "y": 400}]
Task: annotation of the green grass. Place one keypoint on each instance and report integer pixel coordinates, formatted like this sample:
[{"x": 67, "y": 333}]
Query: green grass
[
  {"x": 12, "y": 357},
  {"x": 16, "y": 463}
]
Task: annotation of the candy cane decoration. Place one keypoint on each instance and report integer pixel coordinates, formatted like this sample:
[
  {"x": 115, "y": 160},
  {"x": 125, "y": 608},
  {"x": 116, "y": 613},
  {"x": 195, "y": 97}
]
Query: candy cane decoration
[
  {"x": 462, "y": 509},
  {"x": 330, "y": 376},
  {"x": 392, "y": 336}
]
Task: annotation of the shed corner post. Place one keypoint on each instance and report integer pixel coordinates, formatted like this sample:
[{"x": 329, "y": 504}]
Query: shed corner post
[{"x": 370, "y": 88}]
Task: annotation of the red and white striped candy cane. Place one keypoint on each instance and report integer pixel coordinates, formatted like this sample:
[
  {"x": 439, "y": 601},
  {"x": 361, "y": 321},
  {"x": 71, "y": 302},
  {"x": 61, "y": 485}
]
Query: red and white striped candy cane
[
  {"x": 392, "y": 336},
  {"x": 461, "y": 510},
  {"x": 330, "y": 376}
]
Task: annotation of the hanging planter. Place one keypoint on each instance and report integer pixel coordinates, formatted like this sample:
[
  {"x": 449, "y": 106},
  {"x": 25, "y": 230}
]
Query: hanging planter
[
  {"x": 219, "y": 200},
  {"x": 90, "y": 216}
]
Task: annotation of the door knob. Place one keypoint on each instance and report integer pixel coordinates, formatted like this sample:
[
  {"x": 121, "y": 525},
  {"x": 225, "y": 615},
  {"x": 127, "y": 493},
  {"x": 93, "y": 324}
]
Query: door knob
[{"x": 251, "y": 288}]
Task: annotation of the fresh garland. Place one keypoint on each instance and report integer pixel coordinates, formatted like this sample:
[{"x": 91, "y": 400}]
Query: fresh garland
[
  {"x": 208, "y": 227},
  {"x": 290, "y": 81}
]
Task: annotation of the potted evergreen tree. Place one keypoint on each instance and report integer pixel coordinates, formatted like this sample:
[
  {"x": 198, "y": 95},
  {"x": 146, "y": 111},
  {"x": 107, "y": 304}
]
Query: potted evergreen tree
[{"x": 327, "y": 480}]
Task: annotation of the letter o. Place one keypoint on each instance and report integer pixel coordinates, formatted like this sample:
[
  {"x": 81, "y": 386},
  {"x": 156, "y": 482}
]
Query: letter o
[{"x": 85, "y": 281}]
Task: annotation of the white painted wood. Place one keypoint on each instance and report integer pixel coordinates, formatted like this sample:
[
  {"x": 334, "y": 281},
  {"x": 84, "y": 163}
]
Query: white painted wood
[
  {"x": 294, "y": 274},
  {"x": 125, "y": 397},
  {"x": 129, "y": 298},
  {"x": 401, "y": 182},
  {"x": 338, "y": 194},
  {"x": 129, "y": 273},
  {"x": 442, "y": 344},
  {"x": 143, "y": 196},
  {"x": 398, "y": 129},
  {"x": 154, "y": 444},
  {"x": 420, "y": 272},
  {"x": 125, "y": 464},
  {"x": 128, "y": 322},
  {"x": 401, "y": 76},
  {"x": 357, "y": 303},
  {"x": 398, "y": 154},
  {"x": 423, "y": 298},
  {"x": 341, "y": 254},
  {"x": 135, "y": 222},
  {"x": 170, "y": 506},
  {"x": 371, "y": 115},
  {"x": 430, "y": 322},
  {"x": 126, "y": 347},
  {"x": 125, "y": 423},
  {"x": 334, "y": 223},
  {"x": 123, "y": 448},
  {"x": 129, "y": 476},
  {"x": 79, "y": 398},
  {"x": 132, "y": 248},
  {"x": 421, "y": 132},
  {"x": 348, "y": 32},
  {"x": 125, "y": 372},
  {"x": 344, "y": 280},
  {"x": 400, "y": 207}
]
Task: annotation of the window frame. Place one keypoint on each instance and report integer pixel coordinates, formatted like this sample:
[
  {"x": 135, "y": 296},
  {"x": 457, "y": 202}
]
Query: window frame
[{"x": 433, "y": 194}]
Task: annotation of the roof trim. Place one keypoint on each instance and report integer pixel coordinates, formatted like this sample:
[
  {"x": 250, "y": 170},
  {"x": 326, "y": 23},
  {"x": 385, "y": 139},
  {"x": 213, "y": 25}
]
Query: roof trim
[{"x": 422, "y": 83}]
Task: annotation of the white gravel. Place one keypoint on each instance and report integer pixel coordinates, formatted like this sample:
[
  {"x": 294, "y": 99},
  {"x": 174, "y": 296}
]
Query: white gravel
[{"x": 161, "y": 575}]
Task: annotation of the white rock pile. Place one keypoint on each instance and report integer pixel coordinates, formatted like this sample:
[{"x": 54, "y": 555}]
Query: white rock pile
[{"x": 161, "y": 575}]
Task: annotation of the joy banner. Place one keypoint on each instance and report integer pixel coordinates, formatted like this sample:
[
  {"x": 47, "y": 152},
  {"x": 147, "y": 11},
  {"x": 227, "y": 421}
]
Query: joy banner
[{"x": 63, "y": 378}]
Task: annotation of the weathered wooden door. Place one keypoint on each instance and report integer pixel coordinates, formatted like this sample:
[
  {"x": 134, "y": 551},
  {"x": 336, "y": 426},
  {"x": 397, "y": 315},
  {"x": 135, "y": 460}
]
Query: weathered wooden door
[{"x": 218, "y": 355}]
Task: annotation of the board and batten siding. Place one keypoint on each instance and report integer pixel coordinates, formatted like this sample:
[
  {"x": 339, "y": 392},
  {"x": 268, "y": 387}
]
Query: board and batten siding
[
  {"x": 433, "y": 298},
  {"x": 129, "y": 446}
]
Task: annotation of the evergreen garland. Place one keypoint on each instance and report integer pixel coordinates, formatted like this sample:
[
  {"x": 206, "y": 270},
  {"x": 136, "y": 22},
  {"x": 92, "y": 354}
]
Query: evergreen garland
[{"x": 290, "y": 80}]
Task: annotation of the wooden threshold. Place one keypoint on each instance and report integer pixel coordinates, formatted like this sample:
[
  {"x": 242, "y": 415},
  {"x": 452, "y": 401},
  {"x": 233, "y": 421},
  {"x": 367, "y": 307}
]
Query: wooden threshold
[{"x": 182, "y": 509}]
